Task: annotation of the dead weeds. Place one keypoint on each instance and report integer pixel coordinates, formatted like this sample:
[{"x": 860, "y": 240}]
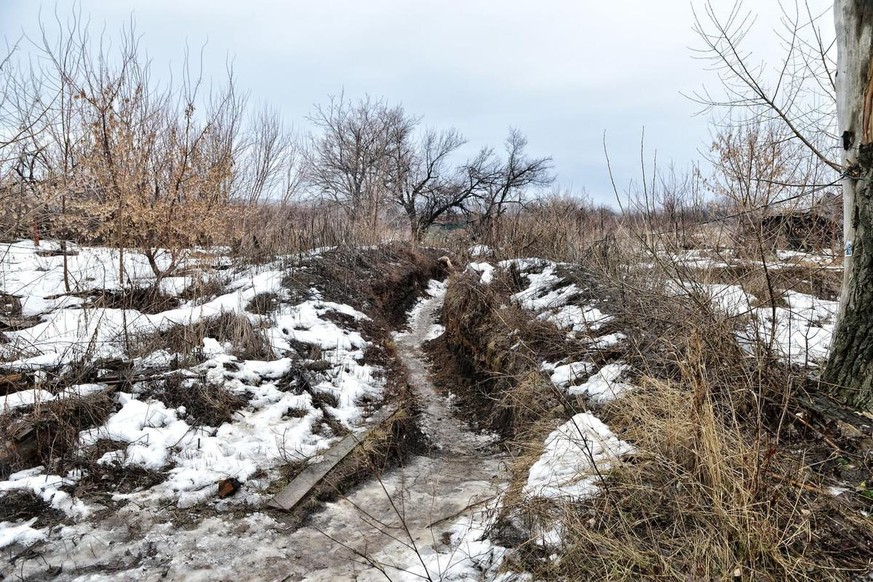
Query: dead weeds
[
  {"x": 149, "y": 300},
  {"x": 490, "y": 356},
  {"x": 49, "y": 433},
  {"x": 205, "y": 404},
  {"x": 23, "y": 504},
  {"x": 705, "y": 498},
  {"x": 382, "y": 281},
  {"x": 246, "y": 341}
]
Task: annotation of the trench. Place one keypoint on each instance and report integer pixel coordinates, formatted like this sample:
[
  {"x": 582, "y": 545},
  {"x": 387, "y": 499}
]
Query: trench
[
  {"x": 398, "y": 526},
  {"x": 414, "y": 522}
]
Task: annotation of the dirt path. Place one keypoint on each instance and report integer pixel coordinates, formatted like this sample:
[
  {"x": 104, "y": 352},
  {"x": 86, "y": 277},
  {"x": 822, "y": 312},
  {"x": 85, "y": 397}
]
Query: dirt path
[
  {"x": 446, "y": 431},
  {"x": 401, "y": 523}
]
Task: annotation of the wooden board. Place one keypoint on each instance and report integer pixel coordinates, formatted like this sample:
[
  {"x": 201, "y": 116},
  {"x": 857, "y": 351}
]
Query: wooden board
[{"x": 299, "y": 487}]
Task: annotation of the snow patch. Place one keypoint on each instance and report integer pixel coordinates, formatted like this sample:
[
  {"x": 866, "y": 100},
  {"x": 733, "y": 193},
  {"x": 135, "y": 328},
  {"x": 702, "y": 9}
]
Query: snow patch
[
  {"x": 604, "y": 385},
  {"x": 574, "y": 455},
  {"x": 485, "y": 270}
]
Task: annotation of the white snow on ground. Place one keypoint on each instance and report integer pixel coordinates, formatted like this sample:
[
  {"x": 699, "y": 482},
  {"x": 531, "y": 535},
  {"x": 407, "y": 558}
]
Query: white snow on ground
[
  {"x": 34, "y": 396},
  {"x": 574, "y": 454},
  {"x": 826, "y": 259},
  {"x": 469, "y": 554},
  {"x": 566, "y": 374},
  {"x": 550, "y": 296},
  {"x": 541, "y": 292},
  {"x": 803, "y": 330},
  {"x": 275, "y": 427},
  {"x": 47, "y": 487},
  {"x": 39, "y": 280},
  {"x": 604, "y": 385},
  {"x": 730, "y": 299},
  {"x": 463, "y": 552},
  {"x": 21, "y": 533},
  {"x": 25, "y": 398},
  {"x": 303, "y": 323},
  {"x": 576, "y": 318},
  {"x": 608, "y": 341},
  {"x": 697, "y": 258},
  {"x": 485, "y": 270},
  {"x": 68, "y": 334},
  {"x": 481, "y": 251},
  {"x": 436, "y": 290}
]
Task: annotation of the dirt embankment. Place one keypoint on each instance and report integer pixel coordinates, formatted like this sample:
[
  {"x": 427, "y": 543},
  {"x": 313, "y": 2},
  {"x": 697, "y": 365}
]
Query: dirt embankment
[
  {"x": 382, "y": 281},
  {"x": 490, "y": 355}
]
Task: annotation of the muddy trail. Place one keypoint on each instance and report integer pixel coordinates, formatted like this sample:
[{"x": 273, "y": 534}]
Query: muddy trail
[{"x": 398, "y": 527}]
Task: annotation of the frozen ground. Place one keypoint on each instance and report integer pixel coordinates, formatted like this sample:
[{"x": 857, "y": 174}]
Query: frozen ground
[
  {"x": 280, "y": 421},
  {"x": 431, "y": 517},
  {"x": 428, "y": 517}
]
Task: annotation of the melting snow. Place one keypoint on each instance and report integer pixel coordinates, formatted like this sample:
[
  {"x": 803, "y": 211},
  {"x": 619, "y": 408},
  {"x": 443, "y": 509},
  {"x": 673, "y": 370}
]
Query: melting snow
[
  {"x": 275, "y": 426},
  {"x": 566, "y": 374},
  {"x": 574, "y": 455},
  {"x": 604, "y": 385},
  {"x": 485, "y": 270}
]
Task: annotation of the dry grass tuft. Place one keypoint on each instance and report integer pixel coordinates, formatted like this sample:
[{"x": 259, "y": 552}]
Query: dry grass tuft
[
  {"x": 143, "y": 299},
  {"x": 203, "y": 289},
  {"x": 704, "y": 499},
  {"x": 49, "y": 433},
  {"x": 205, "y": 404},
  {"x": 263, "y": 303},
  {"x": 23, "y": 504},
  {"x": 247, "y": 341}
]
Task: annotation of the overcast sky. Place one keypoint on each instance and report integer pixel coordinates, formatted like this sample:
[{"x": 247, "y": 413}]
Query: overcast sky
[{"x": 562, "y": 71}]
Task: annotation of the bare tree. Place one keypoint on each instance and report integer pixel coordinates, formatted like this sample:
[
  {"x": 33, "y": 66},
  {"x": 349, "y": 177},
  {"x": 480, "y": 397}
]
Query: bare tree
[
  {"x": 268, "y": 160},
  {"x": 496, "y": 184},
  {"x": 347, "y": 161},
  {"x": 369, "y": 157},
  {"x": 798, "y": 92},
  {"x": 116, "y": 157},
  {"x": 806, "y": 91},
  {"x": 421, "y": 180}
]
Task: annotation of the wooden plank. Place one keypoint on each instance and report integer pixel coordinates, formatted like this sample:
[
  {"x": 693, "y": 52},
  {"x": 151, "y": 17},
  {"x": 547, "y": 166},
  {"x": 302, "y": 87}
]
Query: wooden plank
[
  {"x": 312, "y": 475},
  {"x": 299, "y": 487}
]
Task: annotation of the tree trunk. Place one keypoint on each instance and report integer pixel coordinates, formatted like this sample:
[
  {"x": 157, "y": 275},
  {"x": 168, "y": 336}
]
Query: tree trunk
[
  {"x": 416, "y": 229},
  {"x": 849, "y": 371}
]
